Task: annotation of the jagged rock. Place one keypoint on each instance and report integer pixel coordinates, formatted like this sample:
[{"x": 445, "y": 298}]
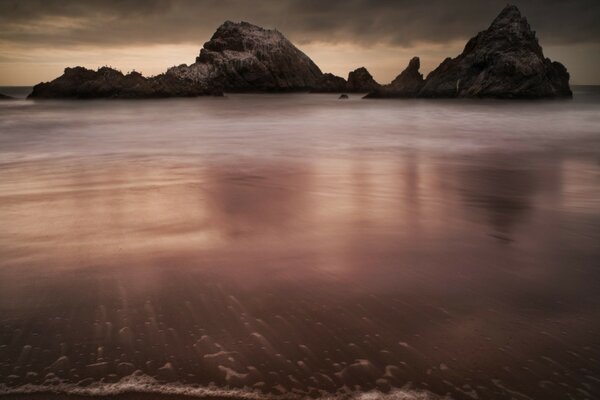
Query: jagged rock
[
  {"x": 83, "y": 83},
  {"x": 330, "y": 83},
  {"x": 504, "y": 61},
  {"x": 5, "y": 97},
  {"x": 243, "y": 57},
  {"x": 360, "y": 80},
  {"x": 407, "y": 84}
]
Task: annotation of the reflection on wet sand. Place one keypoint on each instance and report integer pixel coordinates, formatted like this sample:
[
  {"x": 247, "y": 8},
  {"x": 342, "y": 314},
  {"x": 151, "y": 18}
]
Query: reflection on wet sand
[
  {"x": 504, "y": 193},
  {"x": 316, "y": 277}
]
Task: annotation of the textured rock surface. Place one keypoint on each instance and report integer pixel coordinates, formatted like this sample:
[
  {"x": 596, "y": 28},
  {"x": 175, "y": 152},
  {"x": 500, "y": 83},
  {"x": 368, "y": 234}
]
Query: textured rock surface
[
  {"x": 243, "y": 57},
  {"x": 82, "y": 83},
  {"x": 504, "y": 61},
  {"x": 330, "y": 83},
  {"x": 360, "y": 80},
  {"x": 408, "y": 84}
]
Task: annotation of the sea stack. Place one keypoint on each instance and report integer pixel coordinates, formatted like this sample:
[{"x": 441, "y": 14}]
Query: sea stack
[
  {"x": 408, "y": 84},
  {"x": 241, "y": 57},
  {"x": 330, "y": 83},
  {"x": 83, "y": 83},
  {"x": 504, "y": 61},
  {"x": 360, "y": 80}
]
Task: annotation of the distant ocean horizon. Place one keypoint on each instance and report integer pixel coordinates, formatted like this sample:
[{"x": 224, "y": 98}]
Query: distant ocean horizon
[{"x": 22, "y": 91}]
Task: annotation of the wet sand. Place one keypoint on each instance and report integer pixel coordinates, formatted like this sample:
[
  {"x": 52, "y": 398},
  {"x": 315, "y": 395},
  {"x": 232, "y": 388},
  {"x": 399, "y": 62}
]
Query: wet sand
[{"x": 193, "y": 256}]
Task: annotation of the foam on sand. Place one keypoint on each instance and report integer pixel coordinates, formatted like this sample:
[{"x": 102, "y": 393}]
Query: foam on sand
[{"x": 140, "y": 383}]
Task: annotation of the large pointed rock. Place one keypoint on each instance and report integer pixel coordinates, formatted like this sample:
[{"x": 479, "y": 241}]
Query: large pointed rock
[
  {"x": 504, "y": 61},
  {"x": 360, "y": 80},
  {"x": 241, "y": 57},
  {"x": 408, "y": 84}
]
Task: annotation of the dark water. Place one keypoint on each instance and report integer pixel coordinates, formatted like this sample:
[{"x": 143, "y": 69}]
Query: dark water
[{"x": 297, "y": 245}]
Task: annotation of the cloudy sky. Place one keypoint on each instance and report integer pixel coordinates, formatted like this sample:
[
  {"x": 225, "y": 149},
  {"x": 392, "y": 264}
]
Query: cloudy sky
[{"x": 38, "y": 38}]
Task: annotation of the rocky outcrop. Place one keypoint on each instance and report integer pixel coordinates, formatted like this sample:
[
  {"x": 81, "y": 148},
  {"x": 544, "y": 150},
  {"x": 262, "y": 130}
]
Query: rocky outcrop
[
  {"x": 241, "y": 57},
  {"x": 5, "y": 97},
  {"x": 504, "y": 61},
  {"x": 408, "y": 84},
  {"x": 330, "y": 83},
  {"x": 360, "y": 80},
  {"x": 83, "y": 83}
]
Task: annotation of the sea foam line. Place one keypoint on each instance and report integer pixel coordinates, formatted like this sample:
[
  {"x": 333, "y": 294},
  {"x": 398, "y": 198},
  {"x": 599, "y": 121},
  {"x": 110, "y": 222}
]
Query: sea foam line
[{"x": 140, "y": 383}]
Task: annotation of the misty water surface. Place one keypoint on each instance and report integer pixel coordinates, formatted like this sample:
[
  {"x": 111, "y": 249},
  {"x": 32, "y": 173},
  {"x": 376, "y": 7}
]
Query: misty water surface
[{"x": 301, "y": 245}]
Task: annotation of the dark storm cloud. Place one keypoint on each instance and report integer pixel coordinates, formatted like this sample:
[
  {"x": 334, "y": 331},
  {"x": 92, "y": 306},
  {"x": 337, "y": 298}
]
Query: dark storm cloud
[{"x": 72, "y": 22}]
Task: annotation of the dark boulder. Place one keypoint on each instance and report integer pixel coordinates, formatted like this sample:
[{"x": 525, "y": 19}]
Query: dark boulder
[
  {"x": 504, "y": 61},
  {"x": 360, "y": 80},
  {"x": 407, "y": 84},
  {"x": 242, "y": 57},
  {"x": 83, "y": 83},
  {"x": 343, "y": 96},
  {"x": 330, "y": 83}
]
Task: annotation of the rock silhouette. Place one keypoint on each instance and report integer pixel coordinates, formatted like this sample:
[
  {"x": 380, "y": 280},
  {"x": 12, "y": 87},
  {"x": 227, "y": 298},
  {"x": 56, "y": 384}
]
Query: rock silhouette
[
  {"x": 360, "y": 80},
  {"x": 504, "y": 61},
  {"x": 242, "y": 57},
  {"x": 83, "y": 83},
  {"x": 330, "y": 83},
  {"x": 408, "y": 84}
]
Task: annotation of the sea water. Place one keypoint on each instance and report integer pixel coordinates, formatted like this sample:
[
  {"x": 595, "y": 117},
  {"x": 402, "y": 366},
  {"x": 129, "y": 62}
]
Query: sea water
[{"x": 300, "y": 245}]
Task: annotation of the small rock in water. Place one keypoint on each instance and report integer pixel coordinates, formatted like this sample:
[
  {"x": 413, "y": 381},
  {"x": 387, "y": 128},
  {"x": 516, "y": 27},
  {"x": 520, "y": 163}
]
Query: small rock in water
[{"x": 343, "y": 96}]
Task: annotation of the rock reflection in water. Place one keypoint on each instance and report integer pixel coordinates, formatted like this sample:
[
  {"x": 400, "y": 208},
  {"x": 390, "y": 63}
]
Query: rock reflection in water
[{"x": 467, "y": 272}]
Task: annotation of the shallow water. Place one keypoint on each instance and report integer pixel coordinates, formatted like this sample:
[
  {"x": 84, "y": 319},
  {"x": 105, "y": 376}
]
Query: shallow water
[{"x": 300, "y": 245}]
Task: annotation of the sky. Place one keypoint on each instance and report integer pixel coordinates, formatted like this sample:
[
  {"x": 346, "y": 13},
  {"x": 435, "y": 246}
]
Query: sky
[{"x": 39, "y": 38}]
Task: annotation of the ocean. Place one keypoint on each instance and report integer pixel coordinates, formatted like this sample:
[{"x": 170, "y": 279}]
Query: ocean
[{"x": 284, "y": 246}]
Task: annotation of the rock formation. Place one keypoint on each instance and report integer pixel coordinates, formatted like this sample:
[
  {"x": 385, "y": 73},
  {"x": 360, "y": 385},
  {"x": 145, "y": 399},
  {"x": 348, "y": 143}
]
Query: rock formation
[
  {"x": 330, "y": 83},
  {"x": 242, "y": 57},
  {"x": 360, "y": 80},
  {"x": 5, "y": 97},
  {"x": 83, "y": 83},
  {"x": 408, "y": 84},
  {"x": 504, "y": 61}
]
